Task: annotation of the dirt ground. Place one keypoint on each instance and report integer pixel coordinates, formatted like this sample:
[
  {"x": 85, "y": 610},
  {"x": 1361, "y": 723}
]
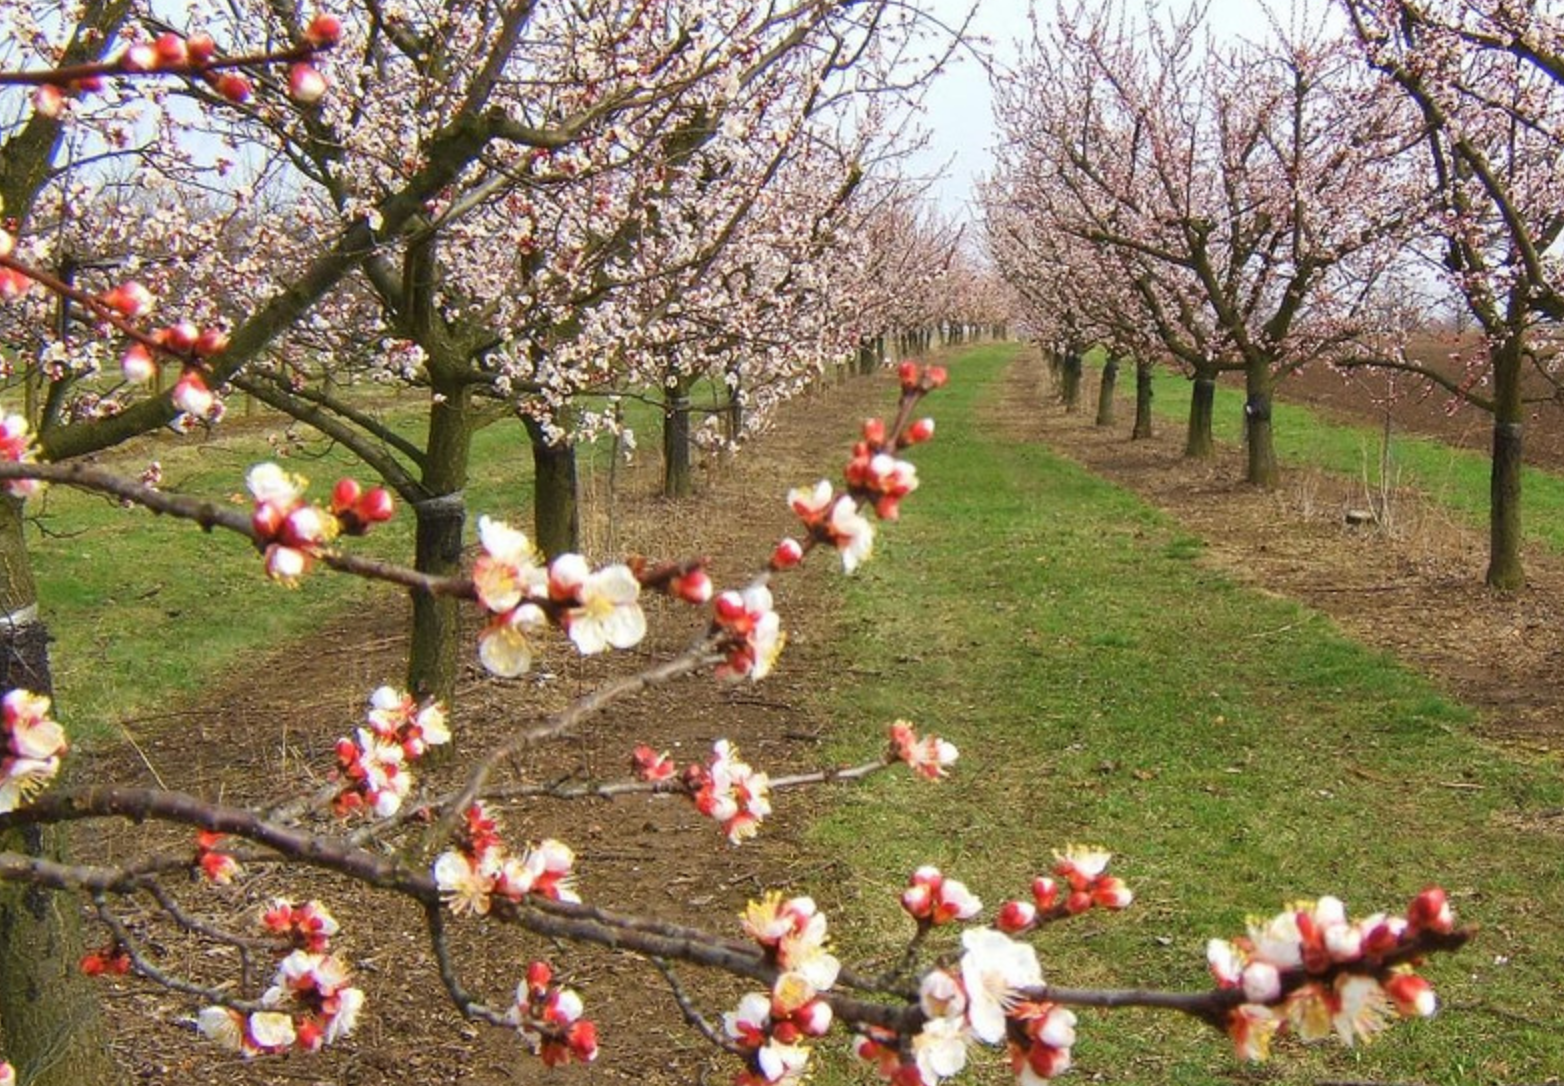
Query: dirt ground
[{"x": 1499, "y": 653}]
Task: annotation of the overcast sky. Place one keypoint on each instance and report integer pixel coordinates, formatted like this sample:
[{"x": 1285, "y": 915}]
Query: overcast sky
[{"x": 959, "y": 108}]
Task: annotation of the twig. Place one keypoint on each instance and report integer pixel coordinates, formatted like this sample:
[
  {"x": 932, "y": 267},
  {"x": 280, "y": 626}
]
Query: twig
[{"x": 692, "y": 1014}]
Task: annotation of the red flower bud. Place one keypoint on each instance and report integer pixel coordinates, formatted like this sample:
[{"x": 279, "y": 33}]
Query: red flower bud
[
  {"x": 234, "y": 87},
  {"x": 171, "y": 50},
  {"x": 874, "y": 431},
  {"x": 376, "y": 506},
  {"x": 788, "y": 554},
  {"x": 211, "y": 341},
  {"x": 200, "y": 47},
  {"x": 539, "y": 974},
  {"x": 693, "y": 587},
  {"x": 729, "y": 606},
  {"x": 181, "y": 337},
  {"x": 935, "y": 377},
  {"x": 1430, "y": 911},
  {"x": 267, "y": 521},
  {"x": 324, "y": 31},
  {"x": 129, "y": 299},
  {"x": 345, "y": 494},
  {"x": 920, "y": 431},
  {"x": 1015, "y": 917},
  {"x": 907, "y": 374}
]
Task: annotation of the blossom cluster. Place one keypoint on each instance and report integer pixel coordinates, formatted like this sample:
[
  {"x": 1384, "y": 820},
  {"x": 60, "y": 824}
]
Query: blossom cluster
[
  {"x": 1312, "y": 970},
  {"x": 875, "y": 476},
  {"x": 1080, "y": 881},
  {"x": 194, "y": 54},
  {"x": 481, "y": 867},
  {"x": 309, "y": 1005},
  {"x": 192, "y": 395},
  {"x": 932, "y": 899},
  {"x": 215, "y": 865},
  {"x": 769, "y": 1027},
  {"x": 549, "y": 1018},
  {"x": 32, "y": 746},
  {"x": 307, "y": 927},
  {"x": 987, "y": 996},
  {"x": 730, "y": 791},
  {"x": 980, "y": 999},
  {"x": 292, "y": 532},
  {"x": 372, "y": 764},
  {"x": 598, "y": 609},
  {"x": 753, "y": 637}
]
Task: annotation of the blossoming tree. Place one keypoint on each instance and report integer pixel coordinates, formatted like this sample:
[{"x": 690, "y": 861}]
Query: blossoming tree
[
  {"x": 1253, "y": 186},
  {"x": 371, "y": 819},
  {"x": 1484, "y": 80}
]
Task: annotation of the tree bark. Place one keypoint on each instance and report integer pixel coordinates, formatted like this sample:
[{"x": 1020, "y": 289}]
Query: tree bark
[
  {"x": 556, "y": 518},
  {"x": 1258, "y": 434},
  {"x": 1143, "y": 394},
  {"x": 1110, "y": 377},
  {"x": 434, "y": 657},
  {"x": 50, "y": 1028},
  {"x": 678, "y": 474},
  {"x": 1505, "y": 570},
  {"x": 1199, "y": 444},
  {"x": 1072, "y": 368},
  {"x": 865, "y": 357}
]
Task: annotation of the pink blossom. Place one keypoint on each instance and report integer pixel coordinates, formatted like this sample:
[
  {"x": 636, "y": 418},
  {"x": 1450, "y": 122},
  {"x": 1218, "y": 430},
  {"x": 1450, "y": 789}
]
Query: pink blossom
[
  {"x": 929, "y": 757},
  {"x": 733, "y": 793},
  {"x": 550, "y": 1019},
  {"x": 193, "y": 397},
  {"x": 755, "y": 633},
  {"x": 931, "y": 898},
  {"x": 507, "y": 644},
  {"x": 16, "y": 446},
  {"x": 608, "y": 611},
  {"x": 994, "y": 969},
  {"x": 507, "y": 571},
  {"x": 650, "y": 765}
]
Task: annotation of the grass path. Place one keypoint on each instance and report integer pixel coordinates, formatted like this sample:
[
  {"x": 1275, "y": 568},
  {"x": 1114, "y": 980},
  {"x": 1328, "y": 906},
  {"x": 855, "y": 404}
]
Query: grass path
[{"x": 1235, "y": 750}]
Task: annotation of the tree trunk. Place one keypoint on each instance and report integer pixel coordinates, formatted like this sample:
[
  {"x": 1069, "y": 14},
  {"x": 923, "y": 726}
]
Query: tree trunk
[
  {"x": 1504, "y": 483},
  {"x": 50, "y": 1029},
  {"x": 434, "y": 657},
  {"x": 1071, "y": 391},
  {"x": 733, "y": 412},
  {"x": 865, "y": 357},
  {"x": 1110, "y": 376},
  {"x": 556, "y": 518},
  {"x": 1199, "y": 444},
  {"x": 1143, "y": 393},
  {"x": 1258, "y": 437},
  {"x": 678, "y": 476}
]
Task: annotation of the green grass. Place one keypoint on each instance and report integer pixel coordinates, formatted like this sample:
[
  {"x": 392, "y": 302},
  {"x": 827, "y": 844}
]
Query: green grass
[
  {"x": 1236, "y": 752},
  {"x": 1455, "y": 478}
]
